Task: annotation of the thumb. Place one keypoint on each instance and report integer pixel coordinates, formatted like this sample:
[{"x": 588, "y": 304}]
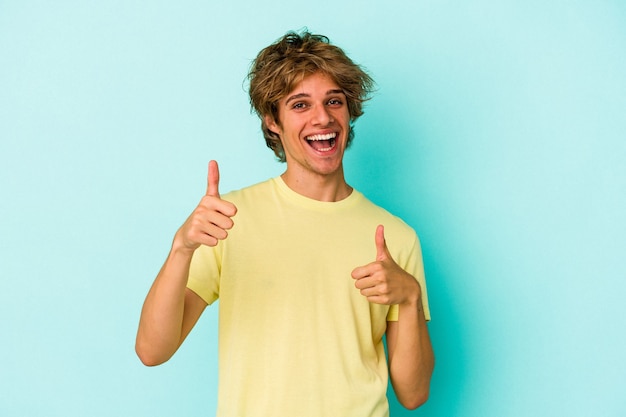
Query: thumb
[
  {"x": 381, "y": 245},
  {"x": 213, "y": 180}
]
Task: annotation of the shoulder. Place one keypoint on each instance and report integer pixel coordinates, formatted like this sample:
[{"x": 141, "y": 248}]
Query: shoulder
[
  {"x": 250, "y": 193},
  {"x": 402, "y": 240},
  {"x": 394, "y": 225}
]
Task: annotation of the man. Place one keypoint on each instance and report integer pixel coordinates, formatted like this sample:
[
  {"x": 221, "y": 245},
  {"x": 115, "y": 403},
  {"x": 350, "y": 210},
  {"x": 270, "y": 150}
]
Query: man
[{"x": 309, "y": 273}]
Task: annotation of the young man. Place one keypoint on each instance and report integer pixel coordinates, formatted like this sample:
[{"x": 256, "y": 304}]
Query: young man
[{"x": 309, "y": 273}]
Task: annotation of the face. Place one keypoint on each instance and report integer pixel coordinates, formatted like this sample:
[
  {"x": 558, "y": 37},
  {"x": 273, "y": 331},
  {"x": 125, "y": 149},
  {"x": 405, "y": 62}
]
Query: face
[{"x": 313, "y": 126}]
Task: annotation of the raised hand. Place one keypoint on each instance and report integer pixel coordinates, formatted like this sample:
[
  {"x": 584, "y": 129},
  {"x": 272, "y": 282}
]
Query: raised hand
[
  {"x": 383, "y": 281},
  {"x": 211, "y": 220}
]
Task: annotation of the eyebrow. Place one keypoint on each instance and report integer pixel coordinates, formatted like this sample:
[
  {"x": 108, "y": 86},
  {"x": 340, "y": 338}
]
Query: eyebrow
[{"x": 303, "y": 95}]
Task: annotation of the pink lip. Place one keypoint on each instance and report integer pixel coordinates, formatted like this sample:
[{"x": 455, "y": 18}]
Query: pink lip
[{"x": 322, "y": 132}]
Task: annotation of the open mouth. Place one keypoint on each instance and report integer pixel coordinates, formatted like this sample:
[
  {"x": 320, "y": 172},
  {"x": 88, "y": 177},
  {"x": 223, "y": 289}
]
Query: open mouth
[{"x": 322, "y": 143}]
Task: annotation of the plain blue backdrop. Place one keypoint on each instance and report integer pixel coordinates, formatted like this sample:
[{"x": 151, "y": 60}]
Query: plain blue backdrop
[{"x": 497, "y": 131}]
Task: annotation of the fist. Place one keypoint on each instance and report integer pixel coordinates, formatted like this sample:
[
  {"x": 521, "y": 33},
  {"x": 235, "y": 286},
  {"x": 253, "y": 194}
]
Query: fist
[
  {"x": 210, "y": 221},
  {"x": 383, "y": 281}
]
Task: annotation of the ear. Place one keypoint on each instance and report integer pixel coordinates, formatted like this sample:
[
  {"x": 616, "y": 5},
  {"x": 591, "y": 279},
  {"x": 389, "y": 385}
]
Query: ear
[{"x": 271, "y": 124}]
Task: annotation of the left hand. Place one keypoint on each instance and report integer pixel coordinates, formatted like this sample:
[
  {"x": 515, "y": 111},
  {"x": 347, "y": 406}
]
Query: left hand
[{"x": 383, "y": 281}]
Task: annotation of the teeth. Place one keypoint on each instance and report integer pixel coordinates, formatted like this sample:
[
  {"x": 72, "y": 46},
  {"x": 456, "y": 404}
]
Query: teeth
[{"x": 327, "y": 136}]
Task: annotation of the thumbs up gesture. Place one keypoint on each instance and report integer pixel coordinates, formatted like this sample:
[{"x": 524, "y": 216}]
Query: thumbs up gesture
[
  {"x": 383, "y": 281},
  {"x": 210, "y": 221}
]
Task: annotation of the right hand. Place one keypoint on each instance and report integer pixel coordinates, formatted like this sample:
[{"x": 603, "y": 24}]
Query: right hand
[{"x": 210, "y": 221}]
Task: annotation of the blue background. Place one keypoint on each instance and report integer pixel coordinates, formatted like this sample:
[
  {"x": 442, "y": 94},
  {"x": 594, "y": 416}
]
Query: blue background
[{"x": 497, "y": 132}]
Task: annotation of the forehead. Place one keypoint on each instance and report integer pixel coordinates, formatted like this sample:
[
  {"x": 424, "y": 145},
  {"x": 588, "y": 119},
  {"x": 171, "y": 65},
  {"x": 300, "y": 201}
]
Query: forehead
[{"x": 317, "y": 83}]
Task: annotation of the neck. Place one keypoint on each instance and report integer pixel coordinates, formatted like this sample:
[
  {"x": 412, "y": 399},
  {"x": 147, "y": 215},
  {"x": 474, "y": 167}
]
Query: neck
[{"x": 328, "y": 188}]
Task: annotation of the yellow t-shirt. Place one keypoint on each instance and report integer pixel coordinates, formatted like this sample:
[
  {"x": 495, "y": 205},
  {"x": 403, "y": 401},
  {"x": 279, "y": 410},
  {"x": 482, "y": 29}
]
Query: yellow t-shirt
[{"x": 296, "y": 338}]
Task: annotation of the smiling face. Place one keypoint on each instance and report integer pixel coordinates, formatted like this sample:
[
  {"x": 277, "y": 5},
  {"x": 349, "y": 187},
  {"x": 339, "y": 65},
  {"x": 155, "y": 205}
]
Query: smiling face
[{"x": 313, "y": 125}]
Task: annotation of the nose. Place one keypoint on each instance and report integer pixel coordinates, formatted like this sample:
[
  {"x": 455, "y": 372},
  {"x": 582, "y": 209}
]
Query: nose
[{"x": 321, "y": 116}]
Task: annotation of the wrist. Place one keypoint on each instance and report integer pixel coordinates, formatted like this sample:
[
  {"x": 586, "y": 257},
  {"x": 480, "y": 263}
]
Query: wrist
[
  {"x": 413, "y": 294},
  {"x": 179, "y": 249}
]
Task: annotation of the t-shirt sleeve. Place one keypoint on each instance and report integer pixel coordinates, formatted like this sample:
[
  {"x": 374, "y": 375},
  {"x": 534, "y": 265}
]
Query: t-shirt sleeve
[
  {"x": 204, "y": 273},
  {"x": 414, "y": 265}
]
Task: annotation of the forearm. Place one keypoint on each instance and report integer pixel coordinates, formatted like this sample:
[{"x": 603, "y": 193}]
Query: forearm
[
  {"x": 161, "y": 323},
  {"x": 411, "y": 357}
]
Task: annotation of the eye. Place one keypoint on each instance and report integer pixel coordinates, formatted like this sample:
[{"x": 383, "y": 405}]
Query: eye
[
  {"x": 299, "y": 105},
  {"x": 336, "y": 102}
]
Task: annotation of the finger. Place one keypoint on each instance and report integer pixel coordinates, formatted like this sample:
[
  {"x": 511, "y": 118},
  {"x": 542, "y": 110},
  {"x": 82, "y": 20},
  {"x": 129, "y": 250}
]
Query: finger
[
  {"x": 213, "y": 180},
  {"x": 361, "y": 272},
  {"x": 364, "y": 283},
  {"x": 221, "y": 206},
  {"x": 208, "y": 240},
  {"x": 220, "y": 220},
  {"x": 206, "y": 233},
  {"x": 381, "y": 245},
  {"x": 215, "y": 232}
]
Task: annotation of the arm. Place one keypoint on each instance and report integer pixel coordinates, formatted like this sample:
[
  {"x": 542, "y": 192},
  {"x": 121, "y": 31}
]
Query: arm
[
  {"x": 411, "y": 358},
  {"x": 171, "y": 310}
]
